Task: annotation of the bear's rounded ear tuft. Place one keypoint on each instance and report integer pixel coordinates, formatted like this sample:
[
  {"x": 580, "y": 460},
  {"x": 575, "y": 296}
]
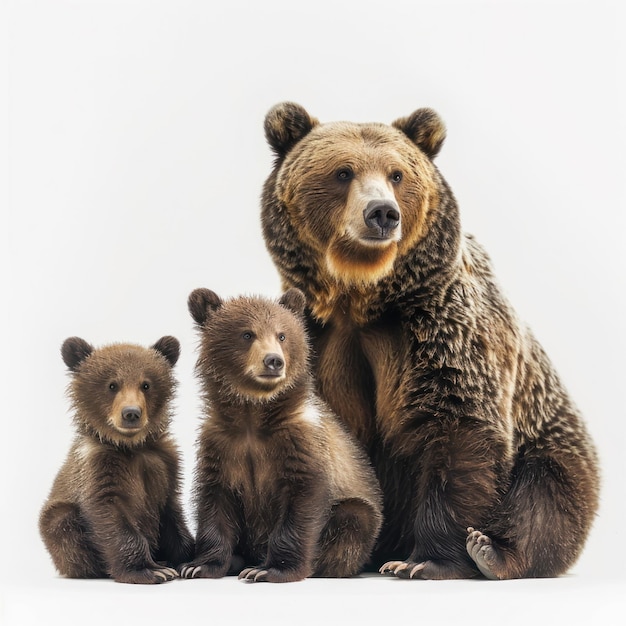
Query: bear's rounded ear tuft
[
  {"x": 285, "y": 124},
  {"x": 294, "y": 300},
  {"x": 424, "y": 128},
  {"x": 74, "y": 351},
  {"x": 169, "y": 347},
  {"x": 201, "y": 303}
]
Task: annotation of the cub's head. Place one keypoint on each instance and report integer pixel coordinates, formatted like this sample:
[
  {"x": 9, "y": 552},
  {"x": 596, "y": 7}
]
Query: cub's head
[
  {"x": 121, "y": 392},
  {"x": 357, "y": 195},
  {"x": 252, "y": 349}
]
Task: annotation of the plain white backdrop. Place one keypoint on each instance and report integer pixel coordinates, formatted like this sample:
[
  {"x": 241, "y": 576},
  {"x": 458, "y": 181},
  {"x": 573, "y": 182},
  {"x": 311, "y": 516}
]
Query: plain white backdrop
[{"x": 132, "y": 173}]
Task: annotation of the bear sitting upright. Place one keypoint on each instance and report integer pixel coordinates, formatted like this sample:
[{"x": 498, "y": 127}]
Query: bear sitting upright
[
  {"x": 484, "y": 461},
  {"x": 114, "y": 508},
  {"x": 279, "y": 485}
]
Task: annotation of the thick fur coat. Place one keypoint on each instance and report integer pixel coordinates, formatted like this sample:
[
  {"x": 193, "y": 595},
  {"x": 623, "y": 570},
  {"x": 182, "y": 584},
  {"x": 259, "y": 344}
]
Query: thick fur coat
[
  {"x": 282, "y": 490},
  {"x": 485, "y": 463},
  {"x": 114, "y": 509}
]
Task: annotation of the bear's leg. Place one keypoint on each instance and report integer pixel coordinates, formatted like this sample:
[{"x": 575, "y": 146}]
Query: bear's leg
[
  {"x": 176, "y": 545},
  {"x": 347, "y": 539},
  {"x": 66, "y": 537},
  {"x": 542, "y": 522}
]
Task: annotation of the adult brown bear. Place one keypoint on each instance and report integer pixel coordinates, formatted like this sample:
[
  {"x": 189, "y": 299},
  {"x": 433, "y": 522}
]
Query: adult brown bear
[{"x": 418, "y": 351}]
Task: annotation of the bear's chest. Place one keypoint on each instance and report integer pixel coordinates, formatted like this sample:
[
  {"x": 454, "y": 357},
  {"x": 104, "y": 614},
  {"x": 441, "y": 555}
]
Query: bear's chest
[{"x": 359, "y": 372}]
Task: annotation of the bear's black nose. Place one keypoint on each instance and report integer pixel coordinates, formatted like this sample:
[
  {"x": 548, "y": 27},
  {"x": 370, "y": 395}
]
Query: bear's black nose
[
  {"x": 382, "y": 215},
  {"x": 131, "y": 415},
  {"x": 273, "y": 363}
]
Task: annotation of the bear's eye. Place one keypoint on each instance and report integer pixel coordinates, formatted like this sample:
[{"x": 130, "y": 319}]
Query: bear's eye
[
  {"x": 145, "y": 386},
  {"x": 113, "y": 386},
  {"x": 281, "y": 337},
  {"x": 344, "y": 174},
  {"x": 396, "y": 177},
  {"x": 247, "y": 335}
]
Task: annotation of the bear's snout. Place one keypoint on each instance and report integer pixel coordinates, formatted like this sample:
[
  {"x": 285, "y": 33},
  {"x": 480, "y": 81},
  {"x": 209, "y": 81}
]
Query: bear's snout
[
  {"x": 381, "y": 217},
  {"x": 131, "y": 416},
  {"x": 274, "y": 364}
]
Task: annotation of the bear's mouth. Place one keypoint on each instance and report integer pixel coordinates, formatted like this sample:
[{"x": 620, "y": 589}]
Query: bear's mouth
[
  {"x": 383, "y": 236},
  {"x": 129, "y": 431}
]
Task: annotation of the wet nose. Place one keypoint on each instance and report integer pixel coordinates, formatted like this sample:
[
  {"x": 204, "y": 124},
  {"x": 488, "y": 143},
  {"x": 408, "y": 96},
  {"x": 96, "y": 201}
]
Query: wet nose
[
  {"x": 381, "y": 214},
  {"x": 273, "y": 362},
  {"x": 131, "y": 415}
]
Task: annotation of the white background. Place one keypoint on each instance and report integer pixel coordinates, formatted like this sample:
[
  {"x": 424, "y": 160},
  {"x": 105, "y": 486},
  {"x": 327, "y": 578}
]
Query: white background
[{"x": 133, "y": 173}]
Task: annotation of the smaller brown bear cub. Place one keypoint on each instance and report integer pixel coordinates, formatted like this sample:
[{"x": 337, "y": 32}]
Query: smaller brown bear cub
[
  {"x": 114, "y": 509},
  {"x": 280, "y": 485}
]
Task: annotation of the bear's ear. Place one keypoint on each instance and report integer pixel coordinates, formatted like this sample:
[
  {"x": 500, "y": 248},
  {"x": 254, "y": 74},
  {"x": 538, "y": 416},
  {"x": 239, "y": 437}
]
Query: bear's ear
[
  {"x": 74, "y": 351},
  {"x": 201, "y": 303},
  {"x": 424, "y": 128},
  {"x": 285, "y": 124},
  {"x": 169, "y": 347},
  {"x": 294, "y": 300}
]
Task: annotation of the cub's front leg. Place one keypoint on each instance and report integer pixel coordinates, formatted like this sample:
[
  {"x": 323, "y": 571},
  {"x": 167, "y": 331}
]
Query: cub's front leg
[
  {"x": 216, "y": 536},
  {"x": 125, "y": 549},
  {"x": 292, "y": 544}
]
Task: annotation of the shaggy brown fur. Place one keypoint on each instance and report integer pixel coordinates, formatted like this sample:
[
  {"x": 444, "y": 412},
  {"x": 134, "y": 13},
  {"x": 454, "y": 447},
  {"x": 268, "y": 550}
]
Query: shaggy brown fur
[
  {"x": 114, "y": 508},
  {"x": 280, "y": 485},
  {"x": 419, "y": 353}
]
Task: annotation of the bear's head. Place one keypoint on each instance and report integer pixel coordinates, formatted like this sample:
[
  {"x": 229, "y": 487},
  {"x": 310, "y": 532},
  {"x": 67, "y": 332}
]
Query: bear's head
[
  {"x": 121, "y": 392},
  {"x": 354, "y": 197},
  {"x": 251, "y": 348}
]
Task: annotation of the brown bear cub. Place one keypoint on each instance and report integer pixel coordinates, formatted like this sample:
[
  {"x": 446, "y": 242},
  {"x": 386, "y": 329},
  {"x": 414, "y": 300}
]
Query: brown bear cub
[
  {"x": 280, "y": 486},
  {"x": 114, "y": 509},
  {"x": 486, "y": 465}
]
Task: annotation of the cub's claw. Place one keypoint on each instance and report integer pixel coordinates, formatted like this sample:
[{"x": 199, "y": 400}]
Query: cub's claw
[{"x": 253, "y": 574}]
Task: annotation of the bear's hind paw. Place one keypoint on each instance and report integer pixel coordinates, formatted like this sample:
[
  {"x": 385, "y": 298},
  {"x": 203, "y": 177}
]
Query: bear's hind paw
[{"x": 483, "y": 553}]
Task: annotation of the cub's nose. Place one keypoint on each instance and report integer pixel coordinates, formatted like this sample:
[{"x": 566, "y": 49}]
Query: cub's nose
[
  {"x": 274, "y": 363},
  {"x": 382, "y": 215},
  {"x": 131, "y": 416}
]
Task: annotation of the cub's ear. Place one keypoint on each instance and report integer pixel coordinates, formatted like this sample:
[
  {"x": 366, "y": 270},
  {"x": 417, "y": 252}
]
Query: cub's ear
[
  {"x": 424, "y": 128},
  {"x": 202, "y": 303},
  {"x": 169, "y": 347},
  {"x": 294, "y": 300},
  {"x": 285, "y": 124},
  {"x": 74, "y": 351}
]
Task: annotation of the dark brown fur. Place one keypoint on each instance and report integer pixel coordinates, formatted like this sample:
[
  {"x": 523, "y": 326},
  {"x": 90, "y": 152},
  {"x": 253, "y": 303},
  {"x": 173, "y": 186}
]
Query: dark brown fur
[
  {"x": 114, "y": 508},
  {"x": 419, "y": 353},
  {"x": 280, "y": 485}
]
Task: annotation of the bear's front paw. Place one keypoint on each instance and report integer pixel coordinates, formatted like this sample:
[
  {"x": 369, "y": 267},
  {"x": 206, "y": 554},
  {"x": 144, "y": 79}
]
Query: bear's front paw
[
  {"x": 147, "y": 576},
  {"x": 202, "y": 570},
  {"x": 403, "y": 569},
  {"x": 269, "y": 575}
]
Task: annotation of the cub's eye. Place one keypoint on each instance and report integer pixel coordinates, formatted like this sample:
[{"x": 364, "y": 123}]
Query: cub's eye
[
  {"x": 281, "y": 337},
  {"x": 344, "y": 174},
  {"x": 247, "y": 335},
  {"x": 145, "y": 386},
  {"x": 396, "y": 177},
  {"x": 113, "y": 386}
]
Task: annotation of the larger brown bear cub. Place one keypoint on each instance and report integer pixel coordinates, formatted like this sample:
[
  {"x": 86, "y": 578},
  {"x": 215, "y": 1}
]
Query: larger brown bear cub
[
  {"x": 418, "y": 351},
  {"x": 280, "y": 485},
  {"x": 114, "y": 509}
]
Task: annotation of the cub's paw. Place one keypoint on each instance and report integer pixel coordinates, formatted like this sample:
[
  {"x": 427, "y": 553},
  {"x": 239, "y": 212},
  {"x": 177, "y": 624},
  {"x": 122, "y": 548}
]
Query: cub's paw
[
  {"x": 202, "y": 570},
  {"x": 269, "y": 575},
  {"x": 147, "y": 576},
  {"x": 483, "y": 553}
]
